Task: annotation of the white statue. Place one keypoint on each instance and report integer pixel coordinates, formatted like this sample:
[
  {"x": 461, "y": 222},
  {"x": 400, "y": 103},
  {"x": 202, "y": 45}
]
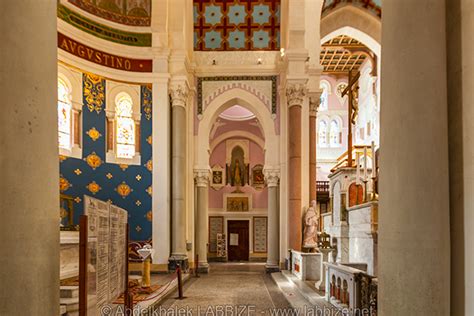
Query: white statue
[{"x": 311, "y": 225}]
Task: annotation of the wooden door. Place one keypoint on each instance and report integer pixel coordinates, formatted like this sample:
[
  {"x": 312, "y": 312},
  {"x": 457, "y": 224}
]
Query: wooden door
[{"x": 238, "y": 240}]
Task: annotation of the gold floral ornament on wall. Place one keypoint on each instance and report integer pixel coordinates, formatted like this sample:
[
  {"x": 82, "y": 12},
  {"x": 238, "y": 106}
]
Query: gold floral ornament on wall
[
  {"x": 77, "y": 199},
  {"x": 93, "y": 187},
  {"x": 149, "y": 165},
  {"x": 149, "y": 140},
  {"x": 123, "y": 190},
  {"x": 94, "y": 89},
  {"x": 63, "y": 184},
  {"x": 149, "y": 216},
  {"x": 123, "y": 166},
  {"x": 62, "y": 158},
  {"x": 147, "y": 102},
  {"x": 78, "y": 172},
  {"x": 93, "y": 160},
  {"x": 94, "y": 134},
  {"x": 149, "y": 190}
]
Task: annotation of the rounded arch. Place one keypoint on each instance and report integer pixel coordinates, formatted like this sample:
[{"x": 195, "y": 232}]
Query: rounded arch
[
  {"x": 354, "y": 22},
  {"x": 242, "y": 134},
  {"x": 250, "y": 102}
]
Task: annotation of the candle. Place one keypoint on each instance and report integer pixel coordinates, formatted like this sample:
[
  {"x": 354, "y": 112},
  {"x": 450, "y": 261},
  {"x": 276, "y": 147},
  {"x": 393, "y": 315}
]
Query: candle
[
  {"x": 358, "y": 169},
  {"x": 365, "y": 163},
  {"x": 374, "y": 161}
]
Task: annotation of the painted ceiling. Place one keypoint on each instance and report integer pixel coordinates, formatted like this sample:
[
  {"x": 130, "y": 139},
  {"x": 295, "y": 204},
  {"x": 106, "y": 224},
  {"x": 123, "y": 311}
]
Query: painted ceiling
[
  {"x": 373, "y": 6},
  {"x": 128, "y": 12},
  {"x": 223, "y": 25}
]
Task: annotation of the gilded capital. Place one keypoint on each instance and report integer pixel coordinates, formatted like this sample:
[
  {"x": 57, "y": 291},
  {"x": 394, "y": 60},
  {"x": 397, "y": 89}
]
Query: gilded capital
[
  {"x": 272, "y": 177},
  {"x": 179, "y": 95},
  {"x": 295, "y": 93},
  {"x": 201, "y": 177}
]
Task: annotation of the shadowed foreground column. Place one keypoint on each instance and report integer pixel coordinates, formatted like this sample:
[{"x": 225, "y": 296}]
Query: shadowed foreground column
[
  {"x": 202, "y": 184},
  {"x": 29, "y": 193},
  {"x": 414, "y": 238}
]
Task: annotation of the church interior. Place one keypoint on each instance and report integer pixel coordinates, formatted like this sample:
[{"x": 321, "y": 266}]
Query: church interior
[{"x": 262, "y": 156}]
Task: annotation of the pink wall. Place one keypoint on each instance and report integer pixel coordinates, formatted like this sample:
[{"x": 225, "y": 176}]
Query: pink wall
[{"x": 259, "y": 197}]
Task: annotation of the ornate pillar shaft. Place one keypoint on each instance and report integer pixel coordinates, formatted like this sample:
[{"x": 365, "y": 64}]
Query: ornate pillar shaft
[
  {"x": 202, "y": 230},
  {"x": 273, "y": 252},
  {"x": 295, "y": 95},
  {"x": 414, "y": 223},
  {"x": 179, "y": 96},
  {"x": 29, "y": 192}
]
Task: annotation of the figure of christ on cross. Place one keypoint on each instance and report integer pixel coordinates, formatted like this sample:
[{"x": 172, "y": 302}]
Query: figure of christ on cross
[{"x": 352, "y": 90}]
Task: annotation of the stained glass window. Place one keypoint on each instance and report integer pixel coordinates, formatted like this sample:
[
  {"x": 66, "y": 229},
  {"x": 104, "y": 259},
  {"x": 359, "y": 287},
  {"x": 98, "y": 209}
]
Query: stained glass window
[
  {"x": 334, "y": 134},
  {"x": 64, "y": 115},
  {"x": 323, "y": 106},
  {"x": 322, "y": 133},
  {"x": 125, "y": 140}
]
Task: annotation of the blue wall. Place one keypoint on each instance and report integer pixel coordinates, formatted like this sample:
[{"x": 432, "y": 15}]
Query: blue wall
[{"x": 134, "y": 181}]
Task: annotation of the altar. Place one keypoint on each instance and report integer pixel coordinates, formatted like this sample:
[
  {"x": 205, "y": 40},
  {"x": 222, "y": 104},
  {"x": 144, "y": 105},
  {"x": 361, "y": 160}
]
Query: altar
[{"x": 306, "y": 266}]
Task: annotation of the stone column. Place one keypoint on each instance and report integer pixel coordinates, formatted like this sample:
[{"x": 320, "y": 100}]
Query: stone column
[
  {"x": 313, "y": 110},
  {"x": 179, "y": 95},
  {"x": 29, "y": 192},
  {"x": 414, "y": 232},
  {"x": 295, "y": 94},
  {"x": 272, "y": 178},
  {"x": 460, "y": 47},
  {"x": 202, "y": 219}
]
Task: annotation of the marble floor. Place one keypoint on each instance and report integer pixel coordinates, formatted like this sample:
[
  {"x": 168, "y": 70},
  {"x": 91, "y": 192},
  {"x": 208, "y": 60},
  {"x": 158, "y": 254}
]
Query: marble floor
[{"x": 228, "y": 289}]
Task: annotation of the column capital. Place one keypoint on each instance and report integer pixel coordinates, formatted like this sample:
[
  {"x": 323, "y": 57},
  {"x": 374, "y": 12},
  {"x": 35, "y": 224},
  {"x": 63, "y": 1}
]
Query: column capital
[
  {"x": 201, "y": 177},
  {"x": 272, "y": 177},
  {"x": 295, "y": 93},
  {"x": 179, "y": 95},
  {"x": 314, "y": 102}
]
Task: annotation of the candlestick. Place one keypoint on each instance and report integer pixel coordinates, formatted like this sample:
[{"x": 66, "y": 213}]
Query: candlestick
[{"x": 365, "y": 163}]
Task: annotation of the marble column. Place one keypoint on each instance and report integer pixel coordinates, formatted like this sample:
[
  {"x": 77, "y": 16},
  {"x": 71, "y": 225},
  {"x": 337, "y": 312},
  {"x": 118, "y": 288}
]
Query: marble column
[
  {"x": 29, "y": 166},
  {"x": 295, "y": 93},
  {"x": 272, "y": 178},
  {"x": 460, "y": 47},
  {"x": 179, "y": 95},
  {"x": 414, "y": 232},
  {"x": 202, "y": 219},
  {"x": 313, "y": 109}
]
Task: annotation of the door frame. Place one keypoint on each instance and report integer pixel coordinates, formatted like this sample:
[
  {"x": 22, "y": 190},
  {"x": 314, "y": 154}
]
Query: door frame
[{"x": 226, "y": 230}]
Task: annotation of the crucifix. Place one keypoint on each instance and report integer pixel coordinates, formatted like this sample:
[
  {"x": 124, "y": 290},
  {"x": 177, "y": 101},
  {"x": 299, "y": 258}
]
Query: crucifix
[{"x": 352, "y": 90}]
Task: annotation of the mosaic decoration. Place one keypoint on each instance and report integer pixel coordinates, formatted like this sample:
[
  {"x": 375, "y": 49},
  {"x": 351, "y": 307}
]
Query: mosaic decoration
[
  {"x": 94, "y": 90},
  {"x": 128, "y": 12},
  {"x": 373, "y": 6},
  {"x": 103, "y": 58},
  {"x": 260, "y": 234},
  {"x": 223, "y": 25},
  {"x": 101, "y": 30},
  {"x": 94, "y": 134},
  {"x": 271, "y": 79},
  {"x": 108, "y": 176}
]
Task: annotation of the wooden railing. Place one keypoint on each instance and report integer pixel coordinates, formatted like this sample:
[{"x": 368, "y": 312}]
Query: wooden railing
[{"x": 322, "y": 186}]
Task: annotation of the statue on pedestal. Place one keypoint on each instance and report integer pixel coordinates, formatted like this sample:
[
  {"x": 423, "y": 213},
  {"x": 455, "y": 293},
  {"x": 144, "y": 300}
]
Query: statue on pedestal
[{"x": 311, "y": 223}]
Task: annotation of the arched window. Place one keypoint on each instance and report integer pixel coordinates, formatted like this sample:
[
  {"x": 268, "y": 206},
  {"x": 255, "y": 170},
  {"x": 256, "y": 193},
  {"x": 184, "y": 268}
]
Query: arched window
[
  {"x": 322, "y": 134},
  {"x": 324, "y": 85},
  {"x": 335, "y": 134},
  {"x": 125, "y": 131},
  {"x": 64, "y": 115}
]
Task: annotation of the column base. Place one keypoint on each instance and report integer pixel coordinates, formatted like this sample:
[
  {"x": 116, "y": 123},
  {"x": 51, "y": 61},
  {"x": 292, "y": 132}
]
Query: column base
[
  {"x": 203, "y": 267},
  {"x": 270, "y": 268},
  {"x": 174, "y": 260}
]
